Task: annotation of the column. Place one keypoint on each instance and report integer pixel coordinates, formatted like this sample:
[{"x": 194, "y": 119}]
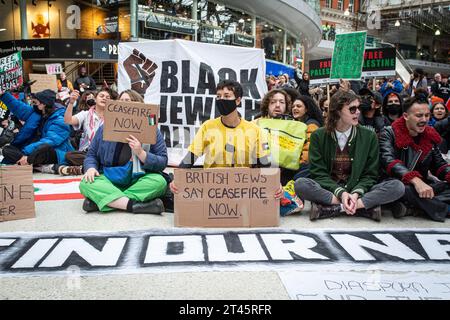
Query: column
[
  {"x": 23, "y": 20},
  {"x": 134, "y": 20},
  {"x": 254, "y": 31},
  {"x": 284, "y": 46},
  {"x": 195, "y": 17}
]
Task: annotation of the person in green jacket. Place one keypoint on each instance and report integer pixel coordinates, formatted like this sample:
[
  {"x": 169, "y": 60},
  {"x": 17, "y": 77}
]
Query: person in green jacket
[{"x": 344, "y": 166}]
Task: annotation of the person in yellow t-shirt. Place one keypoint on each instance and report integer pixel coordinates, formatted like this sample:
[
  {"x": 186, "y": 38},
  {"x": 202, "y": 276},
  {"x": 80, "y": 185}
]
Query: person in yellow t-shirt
[{"x": 229, "y": 140}]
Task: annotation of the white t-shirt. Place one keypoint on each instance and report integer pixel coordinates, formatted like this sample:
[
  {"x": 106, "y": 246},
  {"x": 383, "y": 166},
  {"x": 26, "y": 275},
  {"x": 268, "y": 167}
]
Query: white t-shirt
[{"x": 89, "y": 121}]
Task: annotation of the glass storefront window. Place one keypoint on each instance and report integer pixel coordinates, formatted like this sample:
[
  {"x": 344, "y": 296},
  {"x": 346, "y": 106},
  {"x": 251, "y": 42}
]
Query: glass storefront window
[
  {"x": 220, "y": 24},
  {"x": 166, "y": 19},
  {"x": 270, "y": 38}
]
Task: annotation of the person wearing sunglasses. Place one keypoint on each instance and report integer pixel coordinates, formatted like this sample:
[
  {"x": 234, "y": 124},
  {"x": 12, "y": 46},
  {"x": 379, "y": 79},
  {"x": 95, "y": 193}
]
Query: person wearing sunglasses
[
  {"x": 344, "y": 164},
  {"x": 409, "y": 151}
]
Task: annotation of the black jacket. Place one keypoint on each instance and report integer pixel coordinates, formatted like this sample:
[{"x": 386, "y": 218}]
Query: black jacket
[
  {"x": 403, "y": 159},
  {"x": 443, "y": 128}
]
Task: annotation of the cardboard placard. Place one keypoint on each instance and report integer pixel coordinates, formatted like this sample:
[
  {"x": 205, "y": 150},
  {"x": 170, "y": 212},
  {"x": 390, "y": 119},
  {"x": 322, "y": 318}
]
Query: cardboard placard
[
  {"x": 16, "y": 193},
  {"x": 54, "y": 68},
  {"x": 232, "y": 197},
  {"x": 123, "y": 118},
  {"x": 11, "y": 73},
  {"x": 43, "y": 82},
  {"x": 348, "y": 55}
]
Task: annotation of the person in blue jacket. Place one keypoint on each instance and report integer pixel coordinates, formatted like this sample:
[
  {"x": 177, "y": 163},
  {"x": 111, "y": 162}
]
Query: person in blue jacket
[
  {"x": 44, "y": 138},
  {"x": 125, "y": 176},
  {"x": 390, "y": 86}
]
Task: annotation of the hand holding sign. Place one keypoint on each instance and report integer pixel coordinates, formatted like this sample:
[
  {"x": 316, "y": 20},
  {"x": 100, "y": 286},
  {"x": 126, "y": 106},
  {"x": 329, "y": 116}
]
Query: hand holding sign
[
  {"x": 140, "y": 70},
  {"x": 135, "y": 145}
]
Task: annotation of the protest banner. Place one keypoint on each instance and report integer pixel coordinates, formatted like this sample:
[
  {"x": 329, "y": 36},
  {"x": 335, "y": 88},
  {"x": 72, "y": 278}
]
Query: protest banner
[
  {"x": 54, "y": 68},
  {"x": 181, "y": 77},
  {"x": 16, "y": 193},
  {"x": 11, "y": 73},
  {"x": 124, "y": 118},
  {"x": 232, "y": 197},
  {"x": 379, "y": 62},
  {"x": 43, "y": 82},
  {"x": 348, "y": 55}
]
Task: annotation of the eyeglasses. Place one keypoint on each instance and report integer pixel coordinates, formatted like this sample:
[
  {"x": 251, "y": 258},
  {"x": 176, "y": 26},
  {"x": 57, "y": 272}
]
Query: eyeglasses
[{"x": 353, "y": 109}]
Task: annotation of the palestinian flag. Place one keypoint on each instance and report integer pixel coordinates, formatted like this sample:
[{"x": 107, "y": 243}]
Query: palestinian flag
[{"x": 57, "y": 189}]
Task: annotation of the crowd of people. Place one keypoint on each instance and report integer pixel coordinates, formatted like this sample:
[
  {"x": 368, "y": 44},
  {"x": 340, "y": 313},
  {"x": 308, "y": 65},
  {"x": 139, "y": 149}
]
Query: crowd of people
[{"x": 358, "y": 149}]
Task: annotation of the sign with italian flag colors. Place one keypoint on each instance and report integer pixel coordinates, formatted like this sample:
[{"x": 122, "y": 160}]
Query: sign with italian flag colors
[{"x": 57, "y": 189}]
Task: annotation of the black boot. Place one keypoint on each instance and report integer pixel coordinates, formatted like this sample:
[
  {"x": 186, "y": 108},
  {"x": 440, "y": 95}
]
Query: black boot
[
  {"x": 90, "y": 206},
  {"x": 155, "y": 206}
]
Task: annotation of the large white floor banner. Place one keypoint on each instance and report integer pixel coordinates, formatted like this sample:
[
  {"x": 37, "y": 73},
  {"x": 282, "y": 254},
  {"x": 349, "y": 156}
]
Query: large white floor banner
[
  {"x": 184, "y": 250},
  {"x": 181, "y": 77}
]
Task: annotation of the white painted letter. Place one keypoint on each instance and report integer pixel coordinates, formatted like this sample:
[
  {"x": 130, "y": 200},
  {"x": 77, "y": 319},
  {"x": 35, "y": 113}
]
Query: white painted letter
[
  {"x": 108, "y": 256},
  {"x": 191, "y": 250},
  {"x": 434, "y": 249},
  {"x": 354, "y": 246},
  {"x": 218, "y": 251},
  {"x": 298, "y": 244},
  {"x": 35, "y": 253}
]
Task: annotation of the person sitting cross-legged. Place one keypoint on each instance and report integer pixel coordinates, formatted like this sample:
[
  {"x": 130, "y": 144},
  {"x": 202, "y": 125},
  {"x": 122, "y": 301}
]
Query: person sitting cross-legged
[
  {"x": 344, "y": 163},
  {"x": 409, "y": 152},
  {"x": 126, "y": 176}
]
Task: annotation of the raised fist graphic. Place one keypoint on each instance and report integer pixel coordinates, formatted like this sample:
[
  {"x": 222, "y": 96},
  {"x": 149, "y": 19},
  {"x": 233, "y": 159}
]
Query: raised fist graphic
[{"x": 140, "y": 70}]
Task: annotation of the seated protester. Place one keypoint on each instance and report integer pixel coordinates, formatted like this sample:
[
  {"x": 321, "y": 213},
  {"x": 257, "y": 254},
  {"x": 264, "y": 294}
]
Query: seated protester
[
  {"x": 438, "y": 112},
  {"x": 344, "y": 163},
  {"x": 370, "y": 108},
  {"x": 443, "y": 128},
  {"x": 88, "y": 121},
  {"x": 304, "y": 109},
  {"x": 276, "y": 105},
  {"x": 392, "y": 108},
  {"x": 46, "y": 140},
  {"x": 409, "y": 152},
  {"x": 64, "y": 84},
  {"x": 125, "y": 176},
  {"x": 228, "y": 140}
]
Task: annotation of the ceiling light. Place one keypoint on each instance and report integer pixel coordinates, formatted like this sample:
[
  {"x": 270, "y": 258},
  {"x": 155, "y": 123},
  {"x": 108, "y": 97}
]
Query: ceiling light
[
  {"x": 437, "y": 33},
  {"x": 397, "y": 23},
  {"x": 2, "y": 29}
]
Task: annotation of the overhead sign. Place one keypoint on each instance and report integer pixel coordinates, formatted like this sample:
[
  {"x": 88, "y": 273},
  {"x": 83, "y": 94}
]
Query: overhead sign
[
  {"x": 11, "y": 73},
  {"x": 173, "y": 75},
  {"x": 236, "y": 197},
  {"x": 348, "y": 55},
  {"x": 166, "y": 250},
  {"x": 123, "y": 118}
]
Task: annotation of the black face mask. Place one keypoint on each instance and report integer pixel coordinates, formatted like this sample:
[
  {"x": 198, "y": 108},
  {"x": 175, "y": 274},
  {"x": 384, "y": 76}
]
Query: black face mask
[
  {"x": 365, "y": 106},
  {"x": 90, "y": 102},
  {"x": 226, "y": 106},
  {"x": 394, "y": 109}
]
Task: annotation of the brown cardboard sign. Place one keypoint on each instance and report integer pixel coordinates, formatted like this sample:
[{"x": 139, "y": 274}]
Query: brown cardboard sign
[
  {"x": 124, "y": 118},
  {"x": 232, "y": 197},
  {"x": 16, "y": 193},
  {"x": 43, "y": 81}
]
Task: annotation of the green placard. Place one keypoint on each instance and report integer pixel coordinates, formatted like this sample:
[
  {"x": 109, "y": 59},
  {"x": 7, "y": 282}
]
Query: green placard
[{"x": 348, "y": 55}]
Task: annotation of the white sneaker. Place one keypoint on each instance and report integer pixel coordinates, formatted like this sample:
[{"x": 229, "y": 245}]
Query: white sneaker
[{"x": 46, "y": 168}]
